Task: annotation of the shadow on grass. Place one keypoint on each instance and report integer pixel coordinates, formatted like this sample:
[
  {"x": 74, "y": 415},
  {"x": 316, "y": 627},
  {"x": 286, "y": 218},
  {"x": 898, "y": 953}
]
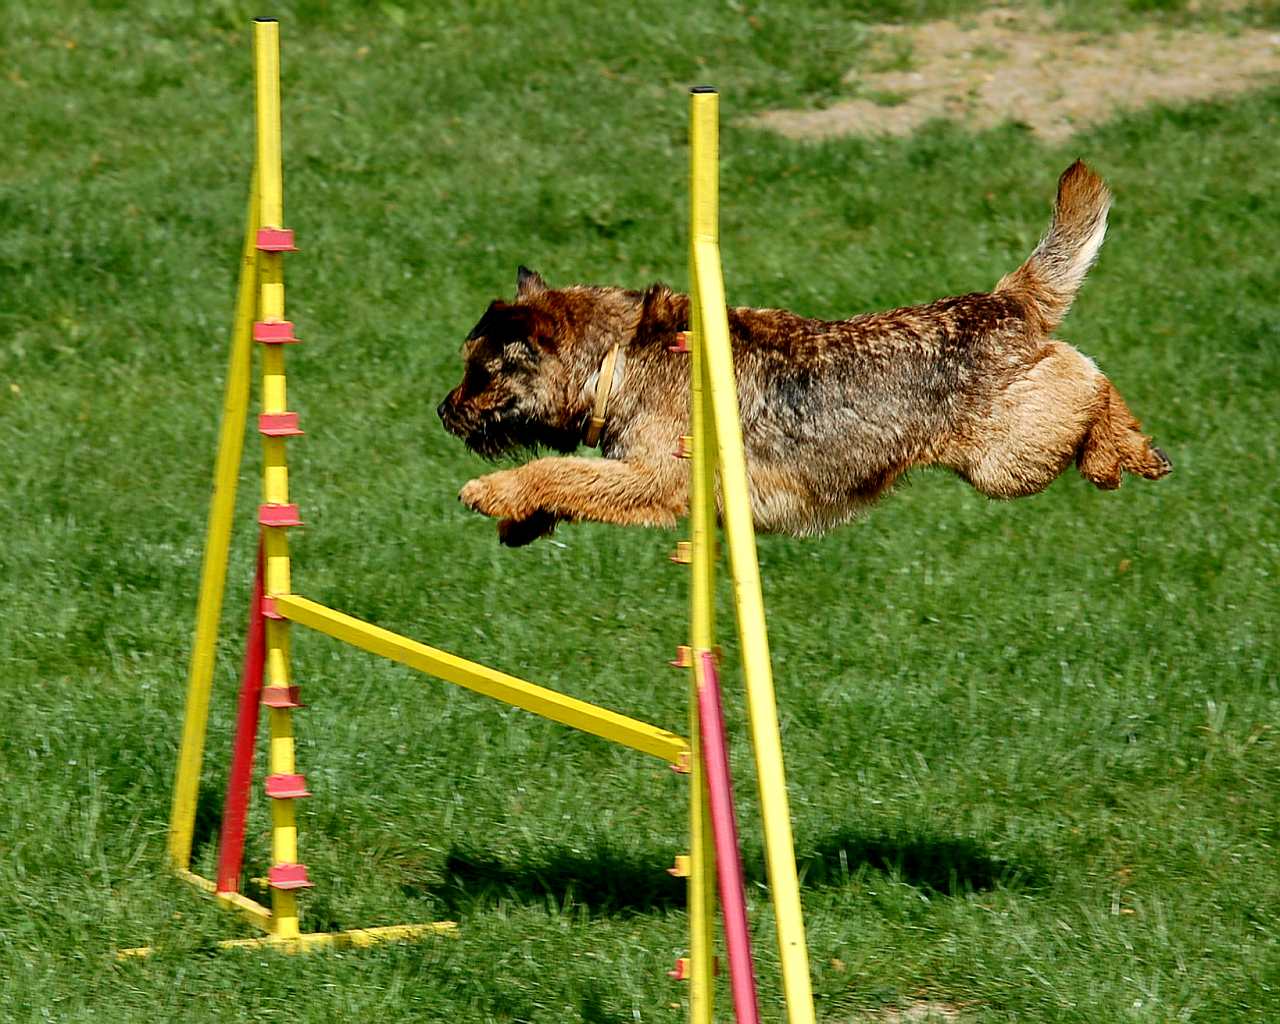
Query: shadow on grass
[
  {"x": 610, "y": 881},
  {"x": 208, "y": 818},
  {"x": 942, "y": 864},
  {"x": 604, "y": 880}
]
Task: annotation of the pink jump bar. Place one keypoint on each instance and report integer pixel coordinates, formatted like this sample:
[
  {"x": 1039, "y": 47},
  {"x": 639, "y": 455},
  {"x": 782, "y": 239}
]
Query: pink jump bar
[{"x": 724, "y": 825}]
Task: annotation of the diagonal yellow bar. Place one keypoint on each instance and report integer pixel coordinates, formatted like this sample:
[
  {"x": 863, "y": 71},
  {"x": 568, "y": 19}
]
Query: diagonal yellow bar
[
  {"x": 558, "y": 707},
  {"x": 217, "y": 544},
  {"x": 756, "y": 668}
]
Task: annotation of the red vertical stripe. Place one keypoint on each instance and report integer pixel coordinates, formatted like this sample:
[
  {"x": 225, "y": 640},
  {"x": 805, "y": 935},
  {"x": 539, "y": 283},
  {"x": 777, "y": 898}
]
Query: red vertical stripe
[
  {"x": 236, "y": 805},
  {"x": 724, "y": 826}
]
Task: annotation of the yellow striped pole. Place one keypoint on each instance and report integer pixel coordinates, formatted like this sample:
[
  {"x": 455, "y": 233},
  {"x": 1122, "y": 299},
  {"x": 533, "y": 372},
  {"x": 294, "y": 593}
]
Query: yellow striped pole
[
  {"x": 716, "y": 352},
  {"x": 702, "y": 593},
  {"x": 217, "y": 545},
  {"x": 275, "y": 475},
  {"x": 261, "y": 296}
]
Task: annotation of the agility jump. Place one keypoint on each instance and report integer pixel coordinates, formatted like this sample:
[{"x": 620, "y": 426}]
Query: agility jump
[{"x": 715, "y": 446}]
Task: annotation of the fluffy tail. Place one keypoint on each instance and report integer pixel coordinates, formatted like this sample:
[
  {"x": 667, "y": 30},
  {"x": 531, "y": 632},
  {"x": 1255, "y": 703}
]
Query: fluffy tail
[{"x": 1052, "y": 275}]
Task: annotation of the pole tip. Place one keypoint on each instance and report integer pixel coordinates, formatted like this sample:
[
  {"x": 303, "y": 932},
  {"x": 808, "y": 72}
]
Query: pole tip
[
  {"x": 697, "y": 89},
  {"x": 266, "y": 19}
]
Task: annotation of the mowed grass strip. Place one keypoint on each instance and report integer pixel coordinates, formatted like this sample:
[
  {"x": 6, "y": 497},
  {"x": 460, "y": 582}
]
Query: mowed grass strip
[{"x": 1032, "y": 746}]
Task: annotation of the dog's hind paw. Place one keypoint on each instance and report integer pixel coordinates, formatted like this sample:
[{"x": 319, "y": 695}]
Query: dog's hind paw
[
  {"x": 1166, "y": 464},
  {"x": 1153, "y": 463}
]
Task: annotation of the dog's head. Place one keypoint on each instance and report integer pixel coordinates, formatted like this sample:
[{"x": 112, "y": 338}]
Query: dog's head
[
  {"x": 516, "y": 389},
  {"x": 531, "y": 366}
]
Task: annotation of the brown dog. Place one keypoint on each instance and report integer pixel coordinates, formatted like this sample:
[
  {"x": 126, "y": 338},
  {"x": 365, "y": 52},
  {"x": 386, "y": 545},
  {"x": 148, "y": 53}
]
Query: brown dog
[{"x": 833, "y": 412}]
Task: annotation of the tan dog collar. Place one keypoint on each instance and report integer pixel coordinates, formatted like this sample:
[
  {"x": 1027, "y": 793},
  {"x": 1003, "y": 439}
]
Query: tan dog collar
[{"x": 604, "y": 389}]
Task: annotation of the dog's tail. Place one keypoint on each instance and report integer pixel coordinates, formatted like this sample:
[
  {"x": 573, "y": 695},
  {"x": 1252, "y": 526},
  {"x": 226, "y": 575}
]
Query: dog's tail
[{"x": 1052, "y": 275}]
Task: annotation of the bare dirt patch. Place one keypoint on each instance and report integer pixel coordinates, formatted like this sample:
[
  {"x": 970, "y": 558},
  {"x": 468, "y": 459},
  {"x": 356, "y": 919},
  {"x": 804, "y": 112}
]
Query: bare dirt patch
[
  {"x": 922, "y": 1011},
  {"x": 1007, "y": 65}
]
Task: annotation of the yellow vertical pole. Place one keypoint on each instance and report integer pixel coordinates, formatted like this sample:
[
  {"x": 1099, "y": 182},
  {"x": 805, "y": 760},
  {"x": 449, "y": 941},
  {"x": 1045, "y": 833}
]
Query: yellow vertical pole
[
  {"x": 703, "y": 203},
  {"x": 716, "y": 352},
  {"x": 217, "y": 544},
  {"x": 275, "y": 477},
  {"x": 702, "y": 525}
]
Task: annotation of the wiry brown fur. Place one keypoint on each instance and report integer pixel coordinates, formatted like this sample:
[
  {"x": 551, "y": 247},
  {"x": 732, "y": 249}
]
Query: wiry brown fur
[{"x": 833, "y": 412}]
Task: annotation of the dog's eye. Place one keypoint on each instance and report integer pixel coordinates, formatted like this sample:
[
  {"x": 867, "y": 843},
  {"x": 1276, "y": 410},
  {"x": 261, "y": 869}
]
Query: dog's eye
[{"x": 477, "y": 379}]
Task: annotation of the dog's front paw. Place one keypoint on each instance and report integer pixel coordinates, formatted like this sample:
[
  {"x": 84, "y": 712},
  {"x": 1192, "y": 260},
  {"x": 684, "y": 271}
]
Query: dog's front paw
[
  {"x": 516, "y": 533},
  {"x": 497, "y": 495}
]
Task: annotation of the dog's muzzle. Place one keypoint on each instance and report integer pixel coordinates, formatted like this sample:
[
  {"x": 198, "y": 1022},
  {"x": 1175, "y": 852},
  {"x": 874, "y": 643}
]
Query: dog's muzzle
[{"x": 447, "y": 410}]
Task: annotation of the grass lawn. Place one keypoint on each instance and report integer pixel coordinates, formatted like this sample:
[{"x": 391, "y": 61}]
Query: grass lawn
[{"x": 1033, "y": 749}]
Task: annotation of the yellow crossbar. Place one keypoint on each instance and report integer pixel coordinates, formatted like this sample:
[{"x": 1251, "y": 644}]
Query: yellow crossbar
[{"x": 578, "y": 714}]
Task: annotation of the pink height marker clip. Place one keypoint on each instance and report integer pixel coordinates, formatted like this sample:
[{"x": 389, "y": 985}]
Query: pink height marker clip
[
  {"x": 274, "y": 332},
  {"x": 286, "y": 787},
  {"x": 282, "y": 698},
  {"x": 278, "y": 515},
  {"x": 288, "y": 876},
  {"x": 278, "y": 424},
  {"x": 275, "y": 240},
  {"x": 724, "y": 826}
]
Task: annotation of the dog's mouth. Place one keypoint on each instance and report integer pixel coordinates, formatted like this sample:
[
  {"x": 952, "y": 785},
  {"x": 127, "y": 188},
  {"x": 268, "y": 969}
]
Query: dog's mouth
[
  {"x": 491, "y": 437},
  {"x": 491, "y": 440},
  {"x": 498, "y": 435}
]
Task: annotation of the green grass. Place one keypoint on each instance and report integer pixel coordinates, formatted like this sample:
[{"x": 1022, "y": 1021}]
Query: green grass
[{"x": 1033, "y": 754}]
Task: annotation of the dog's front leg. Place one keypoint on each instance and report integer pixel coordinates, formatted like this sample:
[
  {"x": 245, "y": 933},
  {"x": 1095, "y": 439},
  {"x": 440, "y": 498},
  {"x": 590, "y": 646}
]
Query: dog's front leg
[{"x": 532, "y": 498}]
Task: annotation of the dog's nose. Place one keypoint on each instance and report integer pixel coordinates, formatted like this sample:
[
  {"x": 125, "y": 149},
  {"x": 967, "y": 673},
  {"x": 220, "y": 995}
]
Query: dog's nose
[{"x": 442, "y": 408}]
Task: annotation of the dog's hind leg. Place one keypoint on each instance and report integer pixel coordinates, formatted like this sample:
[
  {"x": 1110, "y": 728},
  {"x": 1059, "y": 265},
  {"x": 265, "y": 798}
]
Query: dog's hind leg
[
  {"x": 1114, "y": 443},
  {"x": 1061, "y": 408},
  {"x": 1033, "y": 427}
]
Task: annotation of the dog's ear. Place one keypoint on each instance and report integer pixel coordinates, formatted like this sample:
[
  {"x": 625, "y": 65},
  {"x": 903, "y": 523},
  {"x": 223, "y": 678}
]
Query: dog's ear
[
  {"x": 661, "y": 312},
  {"x": 505, "y": 324},
  {"x": 486, "y": 323},
  {"x": 534, "y": 327},
  {"x": 528, "y": 283}
]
